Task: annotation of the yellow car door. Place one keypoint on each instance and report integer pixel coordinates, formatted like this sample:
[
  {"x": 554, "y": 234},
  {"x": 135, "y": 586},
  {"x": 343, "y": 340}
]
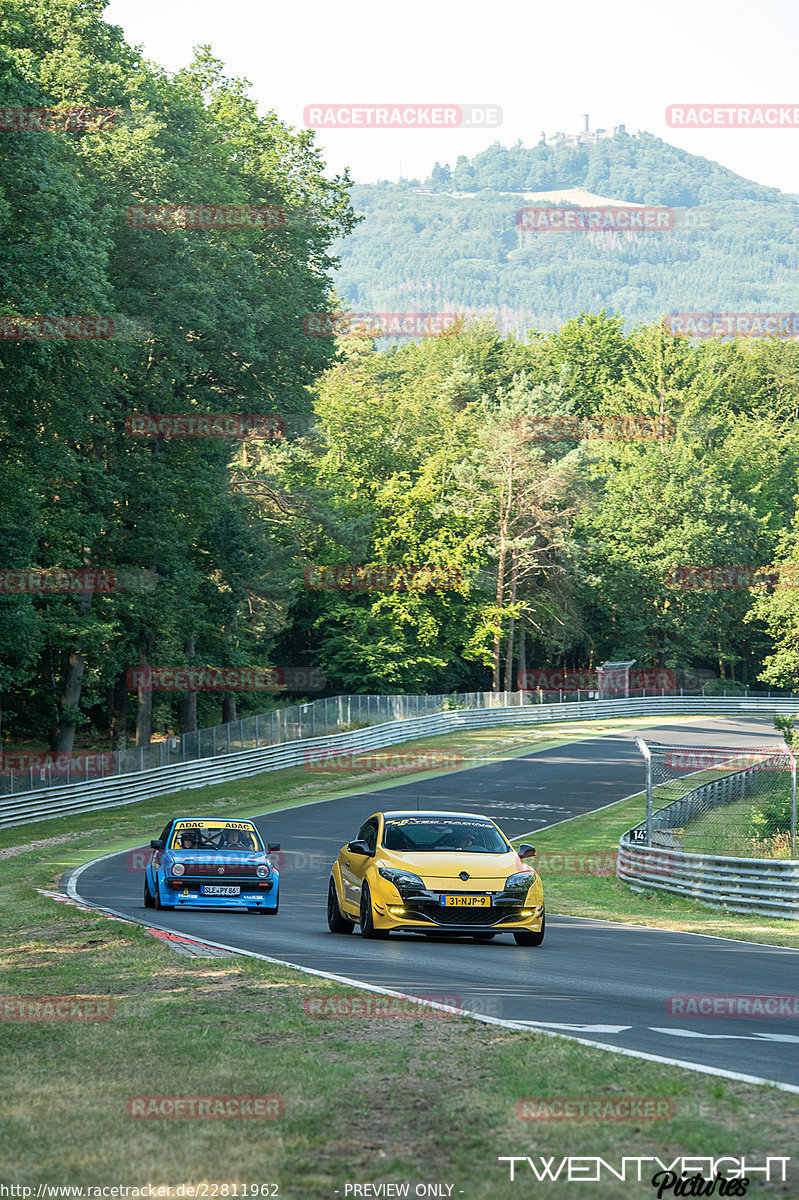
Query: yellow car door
[{"x": 353, "y": 866}]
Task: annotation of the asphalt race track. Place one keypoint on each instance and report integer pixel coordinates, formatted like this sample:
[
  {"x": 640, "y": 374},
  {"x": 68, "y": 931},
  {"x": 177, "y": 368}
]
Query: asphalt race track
[{"x": 601, "y": 981}]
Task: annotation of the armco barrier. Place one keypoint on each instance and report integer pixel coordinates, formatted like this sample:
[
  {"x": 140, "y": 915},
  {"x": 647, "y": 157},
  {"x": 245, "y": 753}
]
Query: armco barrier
[
  {"x": 768, "y": 887},
  {"x": 46, "y": 803}
]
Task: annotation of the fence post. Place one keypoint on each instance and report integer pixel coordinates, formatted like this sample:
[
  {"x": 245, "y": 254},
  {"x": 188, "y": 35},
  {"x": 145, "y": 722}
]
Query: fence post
[
  {"x": 793, "y": 805},
  {"x": 256, "y": 731},
  {"x": 647, "y": 753}
]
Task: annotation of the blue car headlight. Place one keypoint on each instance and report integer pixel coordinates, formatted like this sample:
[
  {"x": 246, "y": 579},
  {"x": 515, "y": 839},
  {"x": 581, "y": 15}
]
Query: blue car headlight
[
  {"x": 262, "y": 872},
  {"x": 404, "y": 881},
  {"x": 520, "y": 882},
  {"x": 178, "y": 868}
]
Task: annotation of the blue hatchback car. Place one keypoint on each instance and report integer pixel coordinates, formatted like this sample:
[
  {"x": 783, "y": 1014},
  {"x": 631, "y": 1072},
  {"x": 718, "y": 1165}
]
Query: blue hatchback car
[{"x": 207, "y": 863}]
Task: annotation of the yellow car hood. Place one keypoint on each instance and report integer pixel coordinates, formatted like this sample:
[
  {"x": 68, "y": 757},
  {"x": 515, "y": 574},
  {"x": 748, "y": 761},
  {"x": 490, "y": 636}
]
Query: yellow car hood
[{"x": 440, "y": 871}]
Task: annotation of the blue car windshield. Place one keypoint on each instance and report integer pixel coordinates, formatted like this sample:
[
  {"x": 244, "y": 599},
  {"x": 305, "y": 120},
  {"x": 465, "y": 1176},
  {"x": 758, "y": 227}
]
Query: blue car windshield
[
  {"x": 216, "y": 836},
  {"x": 414, "y": 834}
]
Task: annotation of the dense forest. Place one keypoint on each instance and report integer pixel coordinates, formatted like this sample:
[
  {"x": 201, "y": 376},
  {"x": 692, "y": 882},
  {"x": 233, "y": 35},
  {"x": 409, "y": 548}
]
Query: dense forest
[
  {"x": 433, "y": 516},
  {"x": 734, "y": 246}
]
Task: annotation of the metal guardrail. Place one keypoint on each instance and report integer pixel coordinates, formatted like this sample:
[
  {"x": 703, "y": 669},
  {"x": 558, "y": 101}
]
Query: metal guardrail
[
  {"x": 308, "y": 719},
  {"x": 46, "y": 803},
  {"x": 766, "y": 887}
]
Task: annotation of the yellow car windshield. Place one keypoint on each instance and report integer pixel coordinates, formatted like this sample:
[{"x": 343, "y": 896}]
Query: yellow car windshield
[{"x": 412, "y": 835}]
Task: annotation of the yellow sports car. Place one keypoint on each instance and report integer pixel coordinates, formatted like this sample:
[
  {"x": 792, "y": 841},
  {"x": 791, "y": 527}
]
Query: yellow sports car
[{"x": 435, "y": 872}]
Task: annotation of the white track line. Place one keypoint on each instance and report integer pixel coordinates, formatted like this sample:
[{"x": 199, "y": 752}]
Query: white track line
[{"x": 486, "y": 1020}]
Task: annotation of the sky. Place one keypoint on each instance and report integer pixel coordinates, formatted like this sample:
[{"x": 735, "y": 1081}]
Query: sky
[{"x": 543, "y": 64}]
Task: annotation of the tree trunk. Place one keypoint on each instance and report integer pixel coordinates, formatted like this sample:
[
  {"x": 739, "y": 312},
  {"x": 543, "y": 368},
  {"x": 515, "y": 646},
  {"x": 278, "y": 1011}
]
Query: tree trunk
[
  {"x": 69, "y": 705},
  {"x": 229, "y": 708},
  {"x": 144, "y": 707},
  {"x": 118, "y": 711},
  {"x": 187, "y": 706},
  {"x": 514, "y": 571},
  {"x": 503, "y": 541},
  {"x": 522, "y": 655}
]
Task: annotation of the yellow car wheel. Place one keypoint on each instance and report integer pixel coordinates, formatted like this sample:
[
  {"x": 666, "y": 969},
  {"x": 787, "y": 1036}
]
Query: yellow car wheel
[
  {"x": 336, "y": 923},
  {"x": 367, "y": 916}
]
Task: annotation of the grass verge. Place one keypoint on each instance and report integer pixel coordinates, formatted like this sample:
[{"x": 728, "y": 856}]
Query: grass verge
[
  {"x": 430, "y": 1101},
  {"x": 372, "y": 1099},
  {"x": 577, "y": 865}
]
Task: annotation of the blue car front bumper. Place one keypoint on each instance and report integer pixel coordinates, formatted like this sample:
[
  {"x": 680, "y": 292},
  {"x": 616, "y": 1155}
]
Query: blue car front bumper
[{"x": 250, "y": 896}]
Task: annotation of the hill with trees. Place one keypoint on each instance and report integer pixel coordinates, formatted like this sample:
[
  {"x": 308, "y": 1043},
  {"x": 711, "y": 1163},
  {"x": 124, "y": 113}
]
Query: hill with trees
[{"x": 455, "y": 246}]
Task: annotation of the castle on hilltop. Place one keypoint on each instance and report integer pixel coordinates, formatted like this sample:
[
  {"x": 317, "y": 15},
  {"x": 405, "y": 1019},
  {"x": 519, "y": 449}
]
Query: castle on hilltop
[{"x": 586, "y": 136}]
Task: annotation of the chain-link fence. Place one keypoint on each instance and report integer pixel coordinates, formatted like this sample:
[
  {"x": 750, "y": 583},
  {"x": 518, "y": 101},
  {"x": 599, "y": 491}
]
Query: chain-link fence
[
  {"x": 316, "y": 718},
  {"x": 23, "y": 772},
  {"x": 731, "y": 801}
]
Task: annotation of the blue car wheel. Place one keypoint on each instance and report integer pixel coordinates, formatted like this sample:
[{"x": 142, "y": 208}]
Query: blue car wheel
[{"x": 158, "y": 902}]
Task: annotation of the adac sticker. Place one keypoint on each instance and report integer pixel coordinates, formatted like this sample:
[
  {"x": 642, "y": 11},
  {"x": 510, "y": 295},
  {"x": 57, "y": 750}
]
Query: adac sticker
[{"x": 214, "y": 825}]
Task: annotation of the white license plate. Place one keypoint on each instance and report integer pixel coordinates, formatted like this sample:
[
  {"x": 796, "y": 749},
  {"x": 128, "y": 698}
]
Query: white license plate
[{"x": 213, "y": 890}]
